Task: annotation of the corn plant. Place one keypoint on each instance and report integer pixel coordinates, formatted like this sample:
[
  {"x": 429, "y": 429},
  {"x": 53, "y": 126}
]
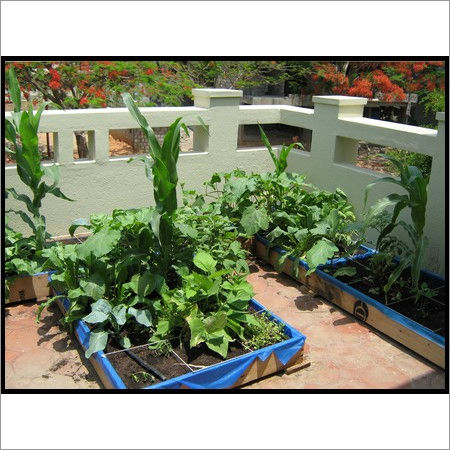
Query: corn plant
[
  {"x": 280, "y": 161},
  {"x": 22, "y": 132},
  {"x": 162, "y": 171},
  {"x": 415, "y": 185}
]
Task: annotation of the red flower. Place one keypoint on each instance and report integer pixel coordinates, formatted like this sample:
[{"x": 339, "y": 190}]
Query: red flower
[
  {"x": 361, "y": 87},
  {"x": 419, "y": 66},
  {"x": 104, "y": 104},
  {"x": 54, "y": 84},
  {"x": 113, "y": 74},
  {"x": 99, "y": 93},
  {"x": 149, "y": 72},
  {"x": 84, "y": 101},
  {"x": 55, "y": 75}
]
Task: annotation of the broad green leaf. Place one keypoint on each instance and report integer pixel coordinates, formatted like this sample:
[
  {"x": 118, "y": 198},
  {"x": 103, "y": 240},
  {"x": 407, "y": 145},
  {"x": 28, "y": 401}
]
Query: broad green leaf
[
  {"x": 218, "y": 342},
  {"x": 97, "y": 342},
  {"x": 93, "y": 287},
  {"x": 101, "y": 305},
  {"x": 197, "y": 331},
  {"x": 275, "y": 233},
  {"x": 187, "y": 230},
  {"x": 142, "y": 316},
  {"x": 73, "y": 294},
  {"x": 254, "y": 220},
  {"x": 205, "y": 261},
  {"x": 345, "y": 271},
  {"x": 78, "y": 223},
  {"x": 125, "y": 342},
  {"x": 144, "y": 284},
  {"x": 95, "y": 317},
  {"x": 236, "y": 328},
  {"x": 14, "y": 90},
  {"x": 320, "y": 253},
  {"x": 120, "y": 314},
  {"x": 99, "y": 244},
  {"x": 215, "y": 322}
]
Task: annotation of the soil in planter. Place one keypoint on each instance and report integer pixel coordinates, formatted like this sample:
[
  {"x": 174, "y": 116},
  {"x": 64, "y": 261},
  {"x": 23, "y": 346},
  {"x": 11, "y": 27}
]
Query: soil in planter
[
  {"x": 168, "y": 365},
  {"x": 134, "y": 375},
  {"x": 433, "y": 314}
]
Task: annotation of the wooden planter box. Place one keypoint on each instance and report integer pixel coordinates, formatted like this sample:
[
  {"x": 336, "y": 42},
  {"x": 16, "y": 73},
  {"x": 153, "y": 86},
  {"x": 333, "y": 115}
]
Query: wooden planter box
[
  {"x": 29, "y": 287},
  {"x": 228, "y": 374},
  {"x": 406, "y": 331},
  {"x": 411, "y": 334},
  {"x": 270, "y": 255}
]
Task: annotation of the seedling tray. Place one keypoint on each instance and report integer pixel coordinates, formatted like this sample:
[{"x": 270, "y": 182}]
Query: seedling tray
[
  {"x": 29, "y": 287},
  {"x": 228, "y": 374}
]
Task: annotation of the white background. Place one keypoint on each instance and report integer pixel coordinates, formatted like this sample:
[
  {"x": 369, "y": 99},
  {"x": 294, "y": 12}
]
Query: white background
[{"x": 217, "y": 29}]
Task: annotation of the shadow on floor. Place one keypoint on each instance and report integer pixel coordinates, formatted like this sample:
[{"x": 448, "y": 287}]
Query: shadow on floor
[
  {"x": 433, "y": 380},
  {"x": 66, "y": 342}
]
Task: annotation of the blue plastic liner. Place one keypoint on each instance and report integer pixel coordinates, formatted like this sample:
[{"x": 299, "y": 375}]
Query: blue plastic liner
[
  {"x": 367, "y": 252},
  {"x": 389, "y": 312},
  {"x": 225, "y": 374},
  {"x": 219, "y": 376}
]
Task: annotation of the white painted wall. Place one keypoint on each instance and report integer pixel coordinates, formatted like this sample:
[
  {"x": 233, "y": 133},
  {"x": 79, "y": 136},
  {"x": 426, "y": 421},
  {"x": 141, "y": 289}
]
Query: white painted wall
[{"x": 103, "y": 184}]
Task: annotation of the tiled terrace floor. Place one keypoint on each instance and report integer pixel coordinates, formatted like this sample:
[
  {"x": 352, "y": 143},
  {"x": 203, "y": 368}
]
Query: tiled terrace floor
[{"x": 344, "y": 353}]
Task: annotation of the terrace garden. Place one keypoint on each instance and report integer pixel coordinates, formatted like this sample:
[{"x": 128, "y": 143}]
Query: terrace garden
[{"x": 163, "y": 296}]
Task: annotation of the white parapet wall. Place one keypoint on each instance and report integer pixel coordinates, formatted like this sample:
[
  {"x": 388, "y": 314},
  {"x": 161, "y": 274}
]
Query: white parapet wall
[{"x": 102, "y": 184}]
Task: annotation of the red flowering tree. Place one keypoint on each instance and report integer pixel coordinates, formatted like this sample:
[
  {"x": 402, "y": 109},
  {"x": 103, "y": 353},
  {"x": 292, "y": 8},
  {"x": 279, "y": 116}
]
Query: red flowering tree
[
  {"x": 387, "y": 81},
  {"x": 98, "y": 84}
]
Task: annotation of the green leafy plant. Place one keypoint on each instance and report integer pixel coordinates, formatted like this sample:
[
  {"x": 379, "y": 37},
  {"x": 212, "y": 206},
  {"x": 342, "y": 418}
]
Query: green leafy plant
[
  {"x": 307, "y": 222},
  {"x": 23, "y": 253},
  {"x": 415, "y": 184},
  {"x": 164, "y": 274},
  {"x": 164, "y": 178},
  {"x": 280, "y": 162},
  {"x": 263, "y": 332}
]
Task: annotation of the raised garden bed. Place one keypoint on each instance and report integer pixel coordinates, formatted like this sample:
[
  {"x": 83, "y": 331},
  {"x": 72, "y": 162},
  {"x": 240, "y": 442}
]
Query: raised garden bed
[
  {"x": 29, "y": 287},
  {"x": 395, "y": 320},
  {"x": 239, "y": 368},
  {"x": 391, "y": 321},
  {"x": 269, "y": 254}
]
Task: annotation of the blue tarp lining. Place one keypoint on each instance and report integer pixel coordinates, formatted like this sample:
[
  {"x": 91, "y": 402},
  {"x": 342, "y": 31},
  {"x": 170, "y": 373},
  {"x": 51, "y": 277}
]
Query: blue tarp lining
[
  {"x": 225, "y": 374},
  {"x": 82, "y": 333},
  {"x": 389, "y": 312},
  {"x": 367, "y": 252},
  {"x": 219, "y": 376}
]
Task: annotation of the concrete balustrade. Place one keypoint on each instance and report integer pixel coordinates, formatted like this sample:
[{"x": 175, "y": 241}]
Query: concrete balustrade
[{"x": 101, "y": 184}]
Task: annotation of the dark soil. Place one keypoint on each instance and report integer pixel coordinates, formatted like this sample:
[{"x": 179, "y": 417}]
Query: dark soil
[
  {"x": 168, "y": 365},
  {"x": 428, "y": 312}
]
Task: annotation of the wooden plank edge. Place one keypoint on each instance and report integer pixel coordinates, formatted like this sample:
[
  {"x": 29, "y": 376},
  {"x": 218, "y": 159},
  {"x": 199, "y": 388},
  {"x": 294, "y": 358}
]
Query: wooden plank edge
[{"x": 404, "y": 336}]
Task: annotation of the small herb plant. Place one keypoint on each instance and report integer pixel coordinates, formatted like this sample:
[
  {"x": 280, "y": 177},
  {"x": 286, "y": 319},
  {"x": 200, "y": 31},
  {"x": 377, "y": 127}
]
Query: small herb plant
[
  {"x": 263, "y": 333},
  {"x": 23, "y": 254}
]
